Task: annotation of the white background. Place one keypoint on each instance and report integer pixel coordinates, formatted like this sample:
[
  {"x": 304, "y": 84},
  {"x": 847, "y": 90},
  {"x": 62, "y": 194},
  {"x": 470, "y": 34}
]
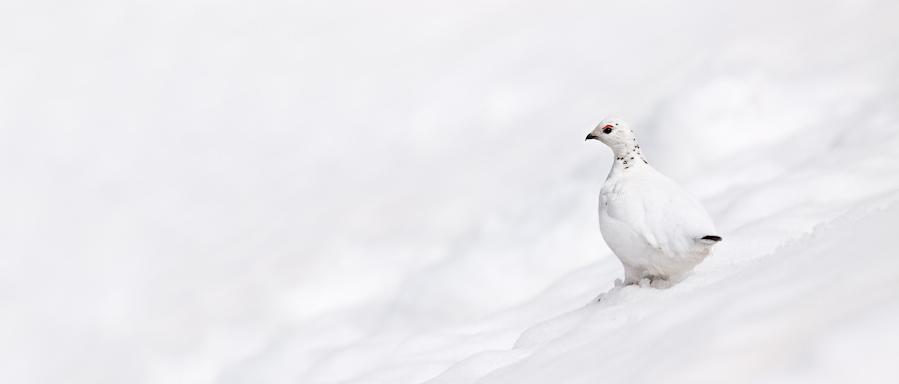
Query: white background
[{"x": 353, "y": 191}]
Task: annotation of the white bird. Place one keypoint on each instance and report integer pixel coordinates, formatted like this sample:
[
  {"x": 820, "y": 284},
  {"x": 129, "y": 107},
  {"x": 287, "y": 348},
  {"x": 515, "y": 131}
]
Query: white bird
[{"x": 653, "y": 225}]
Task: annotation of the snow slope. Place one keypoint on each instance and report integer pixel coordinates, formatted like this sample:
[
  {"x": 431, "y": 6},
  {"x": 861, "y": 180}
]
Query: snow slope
[
  {"x": 399, "y": 192},
  {"x": 822, "y": 308}
]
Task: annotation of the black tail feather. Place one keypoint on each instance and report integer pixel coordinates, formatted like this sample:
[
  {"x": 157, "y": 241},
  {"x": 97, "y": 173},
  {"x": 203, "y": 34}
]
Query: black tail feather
[{"x": 712, "y": 238}]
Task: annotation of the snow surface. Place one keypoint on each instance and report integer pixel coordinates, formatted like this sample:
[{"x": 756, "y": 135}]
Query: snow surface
[{"x": 399, "y": 192}]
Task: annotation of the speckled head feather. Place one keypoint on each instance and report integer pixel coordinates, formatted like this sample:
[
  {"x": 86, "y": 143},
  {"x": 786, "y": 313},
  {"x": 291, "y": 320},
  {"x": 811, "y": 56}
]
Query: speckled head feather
[{"x": 618, "y": 135}]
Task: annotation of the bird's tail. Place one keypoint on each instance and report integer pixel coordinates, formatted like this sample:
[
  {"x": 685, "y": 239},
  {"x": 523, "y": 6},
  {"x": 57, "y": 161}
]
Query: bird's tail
[{"x": 711, "y": 239}]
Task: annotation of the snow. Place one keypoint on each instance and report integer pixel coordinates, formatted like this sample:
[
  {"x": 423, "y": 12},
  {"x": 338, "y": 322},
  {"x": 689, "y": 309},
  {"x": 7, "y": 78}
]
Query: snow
[
  {"x": 759, "y": 322},
  {"x": 399, "y": 192}
]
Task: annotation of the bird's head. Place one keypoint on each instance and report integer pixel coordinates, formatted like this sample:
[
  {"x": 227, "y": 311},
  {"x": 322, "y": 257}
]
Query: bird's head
[{"x": 615, "y": 133}]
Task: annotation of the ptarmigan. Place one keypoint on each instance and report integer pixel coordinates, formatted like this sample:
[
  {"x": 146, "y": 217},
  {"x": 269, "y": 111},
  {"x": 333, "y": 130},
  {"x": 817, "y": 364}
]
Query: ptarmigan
[{"x": 652, "y": 224}]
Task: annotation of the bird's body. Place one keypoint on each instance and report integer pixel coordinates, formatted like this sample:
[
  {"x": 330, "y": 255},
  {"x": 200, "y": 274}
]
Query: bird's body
[{"x": 652, "y": 224}]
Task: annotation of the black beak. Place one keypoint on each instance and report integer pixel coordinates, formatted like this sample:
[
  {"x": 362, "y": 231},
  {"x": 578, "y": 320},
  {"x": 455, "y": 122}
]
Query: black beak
[{"x": 590, "y": 136}]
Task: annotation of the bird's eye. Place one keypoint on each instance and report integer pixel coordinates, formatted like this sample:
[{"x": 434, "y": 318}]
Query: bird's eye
[{"x": 607, "y": 129}]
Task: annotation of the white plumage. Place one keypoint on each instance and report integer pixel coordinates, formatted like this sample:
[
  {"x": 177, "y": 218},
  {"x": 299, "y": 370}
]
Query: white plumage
[{"x": 652, "y": 224}]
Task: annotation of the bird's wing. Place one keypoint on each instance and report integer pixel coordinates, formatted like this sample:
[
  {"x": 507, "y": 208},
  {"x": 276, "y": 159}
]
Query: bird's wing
[
  {"x": 622, "y": 219},
  {"x": 672, "y": 217}
]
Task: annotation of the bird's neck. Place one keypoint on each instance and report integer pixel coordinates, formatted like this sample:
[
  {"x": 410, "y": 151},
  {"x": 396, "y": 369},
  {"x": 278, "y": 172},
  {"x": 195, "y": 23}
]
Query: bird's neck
[{"x": 628, "y": 157}]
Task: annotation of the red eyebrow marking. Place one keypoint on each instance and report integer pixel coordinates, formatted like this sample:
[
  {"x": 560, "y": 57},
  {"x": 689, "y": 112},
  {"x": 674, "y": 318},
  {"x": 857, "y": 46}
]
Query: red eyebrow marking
[{"x": 608, "y": 126}]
